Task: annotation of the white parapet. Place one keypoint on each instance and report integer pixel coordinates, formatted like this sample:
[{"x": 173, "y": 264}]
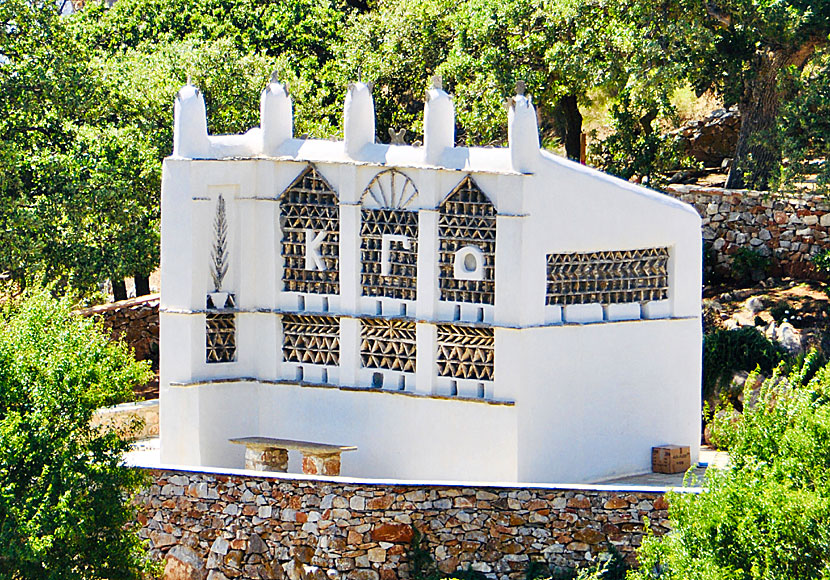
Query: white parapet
[
  {"x": 276, "y": 117},
  {"x": 190, "y": 135},
  {"x": 358, "y": 119},
  {"x": 439, "y": 123},
  {"x": 522, "y": 132}
]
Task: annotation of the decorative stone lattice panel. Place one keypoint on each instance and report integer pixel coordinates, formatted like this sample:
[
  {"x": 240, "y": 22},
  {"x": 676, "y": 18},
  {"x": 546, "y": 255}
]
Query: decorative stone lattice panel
[
  {"x": 465, "y": 352},
  {"x": 608, "y": 277},
  {"x": 389, "y": 237},
  {"x": 310, "y": 221},
  {"x": 388, "y": 344},
  {"x": 311, "y": 339},
  {"x": 401, "y": 277},
  {"x": 467, "y": 219},
  {"x": 220, "y": 337}
]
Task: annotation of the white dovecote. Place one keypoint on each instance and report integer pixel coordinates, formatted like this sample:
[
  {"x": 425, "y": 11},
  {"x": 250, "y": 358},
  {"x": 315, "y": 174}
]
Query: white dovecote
[
  {"x": 190, "y": 136},
  {"x": 522, "y": 132},
  {"x": 358, "y": 118},
  {"x": 438, "y": 284},
  {"x": 439, "y": 122},
  {"x": 276, "y": 116}
]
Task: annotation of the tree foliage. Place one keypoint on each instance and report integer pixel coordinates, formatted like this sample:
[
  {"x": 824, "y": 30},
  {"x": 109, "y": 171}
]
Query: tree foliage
[
  {"x": 740, "y": 48},
  {"x": 63, "y": 488}
]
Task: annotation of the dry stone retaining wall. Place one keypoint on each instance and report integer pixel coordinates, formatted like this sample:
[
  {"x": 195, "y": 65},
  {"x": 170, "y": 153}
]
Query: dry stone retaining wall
[
  {"x": 219, "y": 526},
  {"x": 136, "y": 322},
  {"x": 789, "y": 230}
]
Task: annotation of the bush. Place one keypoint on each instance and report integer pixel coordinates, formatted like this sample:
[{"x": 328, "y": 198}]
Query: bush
[
  {"x": 64, "y": 491},
  {"x": 740, "y": 349},
  {"x": 822, "y": 261},
  {"x": 748, "y": 265},
  {"x": 768, "y": 515}
]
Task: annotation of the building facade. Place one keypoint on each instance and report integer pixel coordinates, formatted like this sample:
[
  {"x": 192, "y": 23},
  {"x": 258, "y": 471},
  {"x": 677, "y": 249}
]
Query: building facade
[{"x": 490, "y": 314}]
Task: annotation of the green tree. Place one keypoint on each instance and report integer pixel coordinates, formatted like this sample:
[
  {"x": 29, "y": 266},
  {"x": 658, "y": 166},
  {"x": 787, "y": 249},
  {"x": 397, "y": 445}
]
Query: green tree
[
  {"x": 739, "y": 48},
  {"x": 804, "y": 123},
  {"x": 564, "y": 51},
  {"x": 64, "y": 491}
]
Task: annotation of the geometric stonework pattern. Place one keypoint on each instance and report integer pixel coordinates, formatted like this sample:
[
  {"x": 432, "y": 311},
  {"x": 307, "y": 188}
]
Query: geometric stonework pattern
[
  {"x": 387, "y": 344},
  {"x": 611, "y": 277},
  {"x": 389, "y": 253},
  {"x": 467, "y": 219},
  {"x": 220, "y": 337},
  {"x": 389, "y": 237},
  {"x": 390, "y": 188},
  {"x": 465, "y": 352},
  {"x": 310, "y": 221},
  {"x": 311, "y": 339}
]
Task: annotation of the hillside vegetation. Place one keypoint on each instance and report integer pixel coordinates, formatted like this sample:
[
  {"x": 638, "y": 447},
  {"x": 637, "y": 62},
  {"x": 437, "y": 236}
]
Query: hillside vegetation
[{"x": 87, "y": 97}]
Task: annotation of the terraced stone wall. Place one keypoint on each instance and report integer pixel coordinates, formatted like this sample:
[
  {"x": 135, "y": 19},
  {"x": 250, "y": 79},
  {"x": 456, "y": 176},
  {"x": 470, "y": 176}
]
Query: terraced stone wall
[
  {"x": 219, "y": 526},
  {"x": 788, "y": 230}
]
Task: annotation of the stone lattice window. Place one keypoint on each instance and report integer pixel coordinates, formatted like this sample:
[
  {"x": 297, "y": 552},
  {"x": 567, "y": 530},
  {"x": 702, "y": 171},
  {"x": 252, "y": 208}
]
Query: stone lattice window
[
  {"x": 311, "y": 339},
  {"x": 310, "y": 221},
  {"x": 465, "y": 352},
  {"x": 389, "y": 237},
  {"x": 400, "y": 280},
  {"x": 608, "y": 277},
  {"x": 220, "y": 337},
  {"x": 388, "y": 344},
  {"x": 467, "y": 220}
]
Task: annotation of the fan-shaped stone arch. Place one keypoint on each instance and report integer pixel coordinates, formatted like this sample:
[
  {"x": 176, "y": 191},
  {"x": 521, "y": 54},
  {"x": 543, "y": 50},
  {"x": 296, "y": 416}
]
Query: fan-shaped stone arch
[{"x": 391, "y": 189}]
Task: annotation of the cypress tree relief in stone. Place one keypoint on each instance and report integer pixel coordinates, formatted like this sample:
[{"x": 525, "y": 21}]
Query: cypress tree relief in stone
[
  {"x": 219, "y": 252},
  {"x": 220, "y": 327}
]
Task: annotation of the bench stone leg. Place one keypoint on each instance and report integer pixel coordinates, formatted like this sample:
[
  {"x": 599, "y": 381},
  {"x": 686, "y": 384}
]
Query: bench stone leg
[
  {"x": 268, "y": 459},
  {"x": 321, "y": 464}
]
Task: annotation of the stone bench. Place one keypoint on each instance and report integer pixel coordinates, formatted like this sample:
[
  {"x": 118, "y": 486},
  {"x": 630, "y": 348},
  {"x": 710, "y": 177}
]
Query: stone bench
[{"x": 268, "y": 454}]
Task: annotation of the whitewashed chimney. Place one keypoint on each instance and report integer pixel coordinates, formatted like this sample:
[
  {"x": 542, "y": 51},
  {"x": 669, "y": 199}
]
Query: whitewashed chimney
[
  {"x": 439, "y": 122},
  {"x": 190, "y": 135},
  {"x": 276, "y": 115},
  {"x": 358, "y": 118},
  {"x": 522, "y": 132}
]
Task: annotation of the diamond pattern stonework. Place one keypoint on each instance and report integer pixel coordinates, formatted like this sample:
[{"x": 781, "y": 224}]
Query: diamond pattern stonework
[
  {"x": 612, "y": 277},
  {"x": 311, "y": 339},
  {"x": 309, "y": 211},
  {"x": 220, "y": 337},
  {"x": 465, "y": 352},
  {"x": 467, "y": 218},
  {"x": 388, "y": 344}
]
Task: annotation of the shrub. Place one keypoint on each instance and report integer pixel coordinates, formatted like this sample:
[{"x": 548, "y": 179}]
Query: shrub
[
  {"x": 781, "y": 311},
  {"x": 822, "y": 261},
  {"x": 749, "y": 265},
  {"x": 64, "y": 491},
  {"x": 740, "y": 349},
  {"x": 768, "y": 515}
]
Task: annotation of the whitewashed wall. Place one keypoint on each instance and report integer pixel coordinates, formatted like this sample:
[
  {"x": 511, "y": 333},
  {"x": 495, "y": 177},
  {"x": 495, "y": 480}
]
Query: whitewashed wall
[{"x": 579, "y": 393}]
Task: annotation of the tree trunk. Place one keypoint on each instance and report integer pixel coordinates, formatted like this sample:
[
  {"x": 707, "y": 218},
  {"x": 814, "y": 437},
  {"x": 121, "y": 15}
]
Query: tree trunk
[
  {"x": 569, "y": 125},
  {"x": 758, "y": 151},
  {"x": 119, "y": 289},
  {"x": 142, "y": 285}
]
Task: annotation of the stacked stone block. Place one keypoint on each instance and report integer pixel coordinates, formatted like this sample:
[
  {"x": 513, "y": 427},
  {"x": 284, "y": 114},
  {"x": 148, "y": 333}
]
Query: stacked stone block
[
  {"x": 789, "y": 230},
  {"x": 240, "y": 526}
]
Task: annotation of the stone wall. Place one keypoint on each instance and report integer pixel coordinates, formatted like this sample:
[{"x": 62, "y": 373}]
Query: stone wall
[
  {"x": 122, "y": 416},
  {"x": 136, "y": 322},
  {"x": 788, "y": 230},
  {"x": 234, "y": 525}
]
